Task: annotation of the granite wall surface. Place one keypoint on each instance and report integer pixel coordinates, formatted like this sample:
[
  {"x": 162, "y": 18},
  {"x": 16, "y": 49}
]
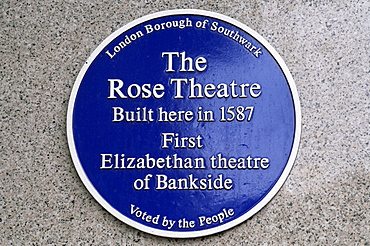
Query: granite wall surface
[{"x": 325, "y": 44}]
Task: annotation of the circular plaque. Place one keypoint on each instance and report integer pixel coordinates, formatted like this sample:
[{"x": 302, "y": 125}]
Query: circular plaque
[{"x": 184, "y": 123}]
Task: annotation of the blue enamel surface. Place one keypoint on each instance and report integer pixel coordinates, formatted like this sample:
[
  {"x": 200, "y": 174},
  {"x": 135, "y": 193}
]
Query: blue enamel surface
[{"x": 270, "y": 133}]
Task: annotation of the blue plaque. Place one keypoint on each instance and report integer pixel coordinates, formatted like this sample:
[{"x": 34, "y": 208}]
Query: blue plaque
[{"x": 184, "y": 123}]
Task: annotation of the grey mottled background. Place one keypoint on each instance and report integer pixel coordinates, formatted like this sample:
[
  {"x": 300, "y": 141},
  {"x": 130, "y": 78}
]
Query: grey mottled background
[{"x": 326, "y": 45}]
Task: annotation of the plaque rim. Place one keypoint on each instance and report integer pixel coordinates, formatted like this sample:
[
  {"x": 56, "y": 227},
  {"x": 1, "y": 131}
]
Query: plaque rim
[{"x": 196, "y": 233}]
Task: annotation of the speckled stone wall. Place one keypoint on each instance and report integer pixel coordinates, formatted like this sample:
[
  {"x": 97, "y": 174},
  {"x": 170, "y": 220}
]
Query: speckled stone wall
[{"x": 325, "y": 44}]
